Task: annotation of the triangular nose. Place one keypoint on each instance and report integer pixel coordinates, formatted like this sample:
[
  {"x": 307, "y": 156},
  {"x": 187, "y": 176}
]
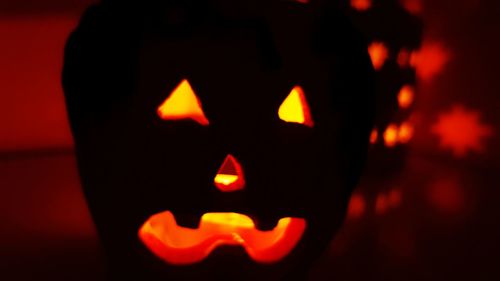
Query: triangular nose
[{"x": 230, "y": 175}]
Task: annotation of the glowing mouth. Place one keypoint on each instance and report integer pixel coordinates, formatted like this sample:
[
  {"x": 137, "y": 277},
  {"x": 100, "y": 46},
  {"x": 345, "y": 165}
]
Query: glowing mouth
[{"x": 181, "y": 246}]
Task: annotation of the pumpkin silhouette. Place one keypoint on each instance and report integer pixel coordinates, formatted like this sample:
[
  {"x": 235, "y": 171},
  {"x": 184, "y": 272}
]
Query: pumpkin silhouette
[{"x": 217, "y": 140}]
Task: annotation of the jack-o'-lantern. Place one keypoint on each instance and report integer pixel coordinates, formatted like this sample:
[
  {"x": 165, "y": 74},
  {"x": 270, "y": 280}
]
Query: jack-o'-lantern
[{"x": 217, "y": 140}]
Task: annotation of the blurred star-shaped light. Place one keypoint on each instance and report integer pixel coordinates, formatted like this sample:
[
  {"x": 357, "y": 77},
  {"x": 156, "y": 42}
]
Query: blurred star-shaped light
[{"x": 461, "y": 131}]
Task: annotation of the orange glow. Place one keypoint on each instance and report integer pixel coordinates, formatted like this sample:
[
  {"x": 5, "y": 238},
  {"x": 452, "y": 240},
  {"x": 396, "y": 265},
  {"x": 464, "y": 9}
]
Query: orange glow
[
  {"x": 461, "y": 131},
  {"x": 295, "y": 108},
  {"x": 357, "y": 206},
  {"x": 430, "y": 60},
  {"x": 374, "y": 136},
  {"x": 182, "y": 246},
  {"x": 361, "y": 5},
  {"x": 391, "y": 135},
  {"x": 379, "y": 54},
  {"x": 230, "y": 176},
  {"x": 183, "y": 104},
  {"x": 405, "y": 133},
  {"x": 406, "y": 96}
]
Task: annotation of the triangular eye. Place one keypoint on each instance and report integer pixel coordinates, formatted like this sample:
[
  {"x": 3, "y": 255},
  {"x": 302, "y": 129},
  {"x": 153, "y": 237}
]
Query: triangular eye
[
  {"x": 295, "y": 108},
  {"x": 183, "y": 104}
]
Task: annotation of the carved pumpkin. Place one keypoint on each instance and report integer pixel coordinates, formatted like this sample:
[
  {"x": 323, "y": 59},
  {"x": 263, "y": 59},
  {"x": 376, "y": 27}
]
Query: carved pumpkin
[{"x": 217, "y": 140}]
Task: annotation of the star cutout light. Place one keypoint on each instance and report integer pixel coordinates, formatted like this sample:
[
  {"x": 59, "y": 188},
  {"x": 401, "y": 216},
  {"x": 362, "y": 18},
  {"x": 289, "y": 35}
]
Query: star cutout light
[{"x": 461, "y": 131}]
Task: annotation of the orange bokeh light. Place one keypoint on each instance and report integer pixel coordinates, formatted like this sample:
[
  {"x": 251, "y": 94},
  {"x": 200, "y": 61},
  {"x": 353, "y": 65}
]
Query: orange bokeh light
[
  {"x": 394, "y": 135},
  {"x": 379, "y": 54},
  {"x": 295, "y": 108},
  {"x": 183, "y": 104},
  {"x": 391, "y": 135},
  {"x": 230, "y": 176},
  {"x": 406, "y": 96},
  {"x": 182, "y": 246},
  {"x": 405, "y": 132},
  {"x": 361, "y": 5},
  {"x": 461, "y": 131}
]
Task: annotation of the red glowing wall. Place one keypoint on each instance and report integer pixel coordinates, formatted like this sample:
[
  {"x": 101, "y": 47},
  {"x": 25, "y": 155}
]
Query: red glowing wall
[{"x": 32, "y": 112}]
